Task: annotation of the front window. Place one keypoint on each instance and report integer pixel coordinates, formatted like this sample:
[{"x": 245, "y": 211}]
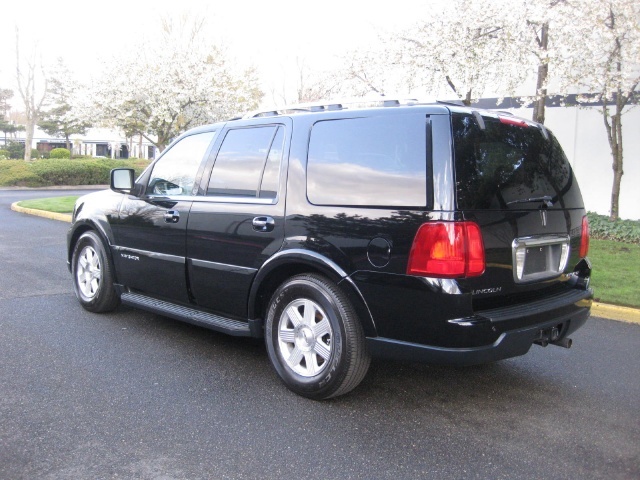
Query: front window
[{"x": 175, "y": 173}]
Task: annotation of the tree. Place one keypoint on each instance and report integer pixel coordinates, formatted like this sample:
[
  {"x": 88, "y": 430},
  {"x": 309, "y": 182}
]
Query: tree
[
  {"x": 309, "y": 84},
  {"x": 67, "y": 114},
  {"x": 468, "y": 52},
  {"x": 174, "y": 84},
  {"x": 9, "y": 128},
  {"x": 5, "y": 95},
  {"x": 603, "y": 58},
  {"x": 29, "y": 75}
]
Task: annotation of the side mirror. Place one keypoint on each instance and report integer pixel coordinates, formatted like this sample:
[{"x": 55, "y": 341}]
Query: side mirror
[{"x": 122, "y": 180}]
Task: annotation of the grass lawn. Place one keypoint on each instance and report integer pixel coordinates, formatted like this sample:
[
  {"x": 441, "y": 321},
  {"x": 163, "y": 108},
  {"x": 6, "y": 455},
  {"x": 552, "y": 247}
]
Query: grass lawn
[
  {"x": 616, "y": 272},
  {"x": 616, "y": 265},
  {"x": 54, "y": 204}
]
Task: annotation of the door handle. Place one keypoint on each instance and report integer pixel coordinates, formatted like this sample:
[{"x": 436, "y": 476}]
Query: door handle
[
  {"x": 172, "y": 216},
  {"x": 263, "y": 224}
]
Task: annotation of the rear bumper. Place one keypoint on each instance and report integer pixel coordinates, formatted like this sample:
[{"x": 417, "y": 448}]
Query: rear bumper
[{"x": 569, "y": 312}]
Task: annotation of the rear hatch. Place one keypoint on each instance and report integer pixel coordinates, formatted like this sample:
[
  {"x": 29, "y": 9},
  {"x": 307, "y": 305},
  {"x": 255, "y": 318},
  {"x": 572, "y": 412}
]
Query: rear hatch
[{"x": 515, "y": 182}]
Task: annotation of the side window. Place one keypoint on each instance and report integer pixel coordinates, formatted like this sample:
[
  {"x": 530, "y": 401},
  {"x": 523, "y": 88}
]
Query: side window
[
  {"x": 378, "y": 161},
  {"x": 271, "y": 175},
  {"x": 175, "y": 173},
  {"x": 248, "y": 163}
]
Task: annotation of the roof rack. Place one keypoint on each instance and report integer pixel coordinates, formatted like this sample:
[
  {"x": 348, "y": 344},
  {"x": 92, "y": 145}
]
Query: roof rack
[{"x": 329, "y": 105}]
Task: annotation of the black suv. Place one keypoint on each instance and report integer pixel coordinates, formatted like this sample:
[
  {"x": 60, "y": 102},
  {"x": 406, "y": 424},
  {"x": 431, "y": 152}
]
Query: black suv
[{"x": 423, "y": 232}]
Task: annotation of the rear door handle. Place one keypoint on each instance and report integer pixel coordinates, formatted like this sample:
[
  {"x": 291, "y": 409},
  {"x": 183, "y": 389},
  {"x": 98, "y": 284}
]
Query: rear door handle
[
  {"x": 172, "y": 216},
  {"x": 264, "y": 224}
]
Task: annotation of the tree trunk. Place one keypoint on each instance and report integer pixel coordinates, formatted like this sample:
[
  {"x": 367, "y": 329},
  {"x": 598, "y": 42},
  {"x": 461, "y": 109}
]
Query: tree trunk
[
  {"x": 614, "y": 135},
  {"x": 68, "y": 145},
  {"x": 28, "y": 138},
  {"x": 543, "y": 72}
]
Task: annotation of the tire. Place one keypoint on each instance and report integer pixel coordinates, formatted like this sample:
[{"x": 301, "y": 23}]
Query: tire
[
  {"x": 93, "y": 275},
  {"x": 314, "y": 339}
]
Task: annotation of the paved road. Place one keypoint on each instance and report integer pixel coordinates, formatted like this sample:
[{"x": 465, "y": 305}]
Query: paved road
[{"x": 135, "y": 395}]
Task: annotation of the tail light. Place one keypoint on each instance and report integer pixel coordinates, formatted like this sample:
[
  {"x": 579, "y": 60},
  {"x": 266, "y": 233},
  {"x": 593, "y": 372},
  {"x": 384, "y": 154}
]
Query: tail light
[
  {"x": 447, "y": 250},
  {"x": 584, "y": 239}
]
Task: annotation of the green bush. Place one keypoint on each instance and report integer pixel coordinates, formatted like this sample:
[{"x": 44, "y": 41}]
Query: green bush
[
  {"x": 602, "y": 228},
  {"x": 64, "y": 171},
  {"x": 59, "y": 153},
  {"x": 5, "y": 155},
  {"x": 16, "y": 150},
  {"x": 18, "y": 174}
]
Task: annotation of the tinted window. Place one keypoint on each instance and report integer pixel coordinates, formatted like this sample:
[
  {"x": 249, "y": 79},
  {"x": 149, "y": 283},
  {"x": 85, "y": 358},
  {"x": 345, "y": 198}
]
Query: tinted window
[
  {"x": 175, "y": 173},
  {"x": 503, "y": 164},
  {"x": 374, "y": 161},
  {"x": 271, "y": 175},
  {"x": 242, "y": 160}
]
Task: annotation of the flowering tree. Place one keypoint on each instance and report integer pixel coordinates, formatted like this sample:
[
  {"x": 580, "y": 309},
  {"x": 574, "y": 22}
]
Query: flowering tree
[
  {"x": 468, "y": 46},
  {"x": 175, "y": 83},
  {"x": 601, "y": 56},
  {"x": 67, "y": 112}
]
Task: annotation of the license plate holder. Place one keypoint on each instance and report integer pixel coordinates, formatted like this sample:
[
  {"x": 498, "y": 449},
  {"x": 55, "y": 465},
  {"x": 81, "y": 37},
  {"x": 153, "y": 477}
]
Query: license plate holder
[{"x": 538, "y": 258}]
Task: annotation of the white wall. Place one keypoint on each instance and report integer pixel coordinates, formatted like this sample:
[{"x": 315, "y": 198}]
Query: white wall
[{"x": 582, "y": 133}]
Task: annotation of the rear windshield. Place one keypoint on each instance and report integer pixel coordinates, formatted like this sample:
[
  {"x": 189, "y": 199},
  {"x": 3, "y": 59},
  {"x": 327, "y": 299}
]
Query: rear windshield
[{"x": 503, "y": 166}]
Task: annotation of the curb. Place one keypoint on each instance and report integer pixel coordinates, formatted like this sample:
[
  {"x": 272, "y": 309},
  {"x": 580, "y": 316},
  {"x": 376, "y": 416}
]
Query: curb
[
  {"x": 610, "y": 312},
  {"x": 614, "y": 312},
  {"x": 64, "y": 217}
]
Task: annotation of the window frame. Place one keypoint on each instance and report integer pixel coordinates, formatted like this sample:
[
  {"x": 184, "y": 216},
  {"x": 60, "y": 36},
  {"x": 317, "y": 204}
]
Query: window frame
[
  {"x": 281, "y": 122},
  {"x": 148, "y": 174}
]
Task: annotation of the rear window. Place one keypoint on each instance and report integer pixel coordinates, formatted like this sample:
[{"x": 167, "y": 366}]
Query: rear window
[
  {"x": 504, "y": 165},
  {"x": 374, "y": 161}
]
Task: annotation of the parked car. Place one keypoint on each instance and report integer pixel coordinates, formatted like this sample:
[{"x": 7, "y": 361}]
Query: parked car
[{"x": 423, "y": 232}]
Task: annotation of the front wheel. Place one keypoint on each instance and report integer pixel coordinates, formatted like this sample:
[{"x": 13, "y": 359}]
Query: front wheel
[
  {"x": 314, "y": 338},
  {"x": 93, "y": 275}
]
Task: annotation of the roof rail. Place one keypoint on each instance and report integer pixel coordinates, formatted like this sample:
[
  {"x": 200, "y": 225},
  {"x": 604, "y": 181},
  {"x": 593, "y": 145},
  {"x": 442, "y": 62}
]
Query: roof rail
[{"x": 329, "y": 105}]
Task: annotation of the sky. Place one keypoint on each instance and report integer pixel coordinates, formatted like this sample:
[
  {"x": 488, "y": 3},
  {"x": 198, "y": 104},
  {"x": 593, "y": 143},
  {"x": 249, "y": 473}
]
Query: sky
[{"x": 270, "y": 35}]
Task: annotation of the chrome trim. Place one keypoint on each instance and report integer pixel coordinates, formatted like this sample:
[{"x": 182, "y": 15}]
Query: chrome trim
[
  {"x": 518, "y": 255},
  {"x": 154, "y": 255},
  {"x": 211, "y": 199},
  {"x": 221, "y": 266}
]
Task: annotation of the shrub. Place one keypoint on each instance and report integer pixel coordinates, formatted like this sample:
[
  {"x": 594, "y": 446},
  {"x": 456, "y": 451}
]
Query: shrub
[
  {"x": 18, "y": 174},
  {"x": 41, "y": 173},
  {"x": 59, "y": 153},
  {"x": 602, "y": 228},
  {"x": 16, "y": 150},
  {"x": 5, "y": 155}
]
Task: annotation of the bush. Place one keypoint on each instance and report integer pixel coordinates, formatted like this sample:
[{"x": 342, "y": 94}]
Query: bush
[
  {"x": 5, "y": 155},
  {"x": 41, "y": 173},
  {"x": 18, "y": 174},
  {"x": 16, "y": 150},
  {"x": 602, "y": 228},
  {"x": 59, "y": 153}
]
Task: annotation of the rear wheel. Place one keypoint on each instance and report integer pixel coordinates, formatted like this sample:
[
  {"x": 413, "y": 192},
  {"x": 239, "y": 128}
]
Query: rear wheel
[
  {"x": 314, "y": 338},
  {"x": 93, "y": 275}
]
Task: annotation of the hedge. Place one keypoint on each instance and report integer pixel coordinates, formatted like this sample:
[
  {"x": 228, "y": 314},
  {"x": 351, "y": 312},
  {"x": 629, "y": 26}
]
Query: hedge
[
  {"x": 50, "y": 172},
  {"x": 627, "y": 231}
]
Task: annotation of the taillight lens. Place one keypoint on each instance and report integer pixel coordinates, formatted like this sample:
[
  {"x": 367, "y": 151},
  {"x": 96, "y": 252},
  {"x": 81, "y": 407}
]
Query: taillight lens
[
  {"x": 447, "y": 250},
  {"x": 584, "y": 239}
]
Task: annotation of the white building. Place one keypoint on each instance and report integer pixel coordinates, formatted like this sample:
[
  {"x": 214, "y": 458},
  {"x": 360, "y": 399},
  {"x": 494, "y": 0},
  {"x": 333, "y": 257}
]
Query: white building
[{"x": 98, "y": 142}]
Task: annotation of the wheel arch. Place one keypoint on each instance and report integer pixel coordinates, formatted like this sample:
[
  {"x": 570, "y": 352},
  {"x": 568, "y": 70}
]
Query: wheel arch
[
  {"x": 80, "y": 228},
  {"x": 288, "y": 263}
]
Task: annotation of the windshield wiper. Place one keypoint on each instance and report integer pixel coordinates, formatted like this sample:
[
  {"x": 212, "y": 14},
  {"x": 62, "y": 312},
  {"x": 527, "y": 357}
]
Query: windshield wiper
[{"x": 547, "y": 200}]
